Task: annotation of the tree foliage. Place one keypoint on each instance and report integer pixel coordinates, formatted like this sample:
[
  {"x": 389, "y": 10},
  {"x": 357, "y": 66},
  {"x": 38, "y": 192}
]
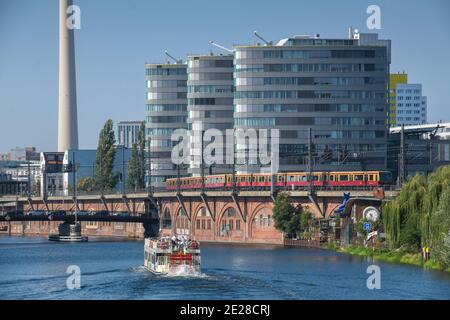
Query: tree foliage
[
  {"x": 104, "y": 161},
  {"x": 289, "y": 219},
  {"x": 136, "y": 166},
  {"x": 420, "y": 214},
  {"x": 442, "y": 253},
  {"x": 86, "y": 184}
]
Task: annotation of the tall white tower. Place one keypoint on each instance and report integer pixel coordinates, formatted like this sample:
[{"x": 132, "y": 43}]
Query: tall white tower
[{"x": 67, "y": 111}]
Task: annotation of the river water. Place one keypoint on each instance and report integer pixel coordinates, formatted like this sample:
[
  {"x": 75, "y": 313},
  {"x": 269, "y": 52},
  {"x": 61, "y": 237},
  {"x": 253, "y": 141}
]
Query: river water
[{"x": 33, "y": 268}]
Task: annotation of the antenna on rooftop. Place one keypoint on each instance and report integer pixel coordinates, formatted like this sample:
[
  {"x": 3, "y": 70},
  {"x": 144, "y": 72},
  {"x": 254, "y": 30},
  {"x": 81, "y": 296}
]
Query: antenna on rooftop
[
  {"x": 177, "y": 61},
  {"x": 221, "y": 47},
  {"x": 261, "y": 38}
]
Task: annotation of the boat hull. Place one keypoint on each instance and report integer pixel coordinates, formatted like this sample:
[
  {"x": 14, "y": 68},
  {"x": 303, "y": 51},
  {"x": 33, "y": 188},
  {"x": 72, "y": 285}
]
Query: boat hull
[{"x": 59, "y": 238}]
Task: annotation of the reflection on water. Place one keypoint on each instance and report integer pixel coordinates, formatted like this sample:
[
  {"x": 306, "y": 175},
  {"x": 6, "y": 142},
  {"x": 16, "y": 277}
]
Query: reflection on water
[{"x": 33, "y": 268}]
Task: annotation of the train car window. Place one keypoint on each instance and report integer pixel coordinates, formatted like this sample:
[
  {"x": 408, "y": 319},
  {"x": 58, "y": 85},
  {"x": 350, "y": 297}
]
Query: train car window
[
  {"x": 359, "y": 177},
  {"x": 331, "y": 177},
  {"x": 303, "y": 178},
  {"x": 371, "y": 177},
  {"x": 343, "y": 177}
]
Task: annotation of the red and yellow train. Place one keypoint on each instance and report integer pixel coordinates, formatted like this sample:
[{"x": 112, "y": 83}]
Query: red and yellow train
[{"x": 289, "y": 180}]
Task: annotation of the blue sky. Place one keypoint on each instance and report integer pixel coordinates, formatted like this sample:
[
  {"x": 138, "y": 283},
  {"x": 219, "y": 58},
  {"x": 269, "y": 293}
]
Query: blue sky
[{"x": 118, "y": 37}]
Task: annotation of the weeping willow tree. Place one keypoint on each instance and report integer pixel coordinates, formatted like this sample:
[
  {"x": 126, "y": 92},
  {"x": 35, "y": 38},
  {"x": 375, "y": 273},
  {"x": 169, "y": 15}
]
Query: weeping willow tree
[
  {"x": 420, "y": 214},
  {"x": 436, "y": 207},
  {"x": 401, "y": 217}
]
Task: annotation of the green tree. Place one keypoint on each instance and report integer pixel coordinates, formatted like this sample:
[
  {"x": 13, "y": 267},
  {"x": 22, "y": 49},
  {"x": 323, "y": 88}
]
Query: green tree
[
  {"x": 37, "y": 187},
  {"x": 442, "y": 253},
  {"x": 86, "y": 184},
  {"x": 283, "y": 212},
  {"x": 133, "y": 169},
  {"x": 141, "y": 143},
  {"x": 104, "y": 161},
  {"x": 136, "y": 166},
  {"x": 288, "y": 218},
  {"x": 418, "y": 216}
]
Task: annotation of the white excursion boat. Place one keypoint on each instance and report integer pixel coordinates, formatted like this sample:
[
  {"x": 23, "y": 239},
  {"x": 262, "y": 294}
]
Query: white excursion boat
[{"x": 172, "y": 256}]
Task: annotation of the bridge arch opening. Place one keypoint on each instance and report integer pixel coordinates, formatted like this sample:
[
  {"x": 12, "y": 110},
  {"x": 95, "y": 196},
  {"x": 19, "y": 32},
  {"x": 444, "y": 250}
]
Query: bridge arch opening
[
  {"x": 182, "y": 224},
  {"x": 166, "y": 219},
  {"x": 204, "y": 224},
  {"x": 231, "y": 226}
]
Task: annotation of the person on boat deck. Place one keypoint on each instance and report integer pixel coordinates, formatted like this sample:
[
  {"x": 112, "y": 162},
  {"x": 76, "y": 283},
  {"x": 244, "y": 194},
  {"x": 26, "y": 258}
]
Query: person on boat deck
[{"x": 174, "y": 241}]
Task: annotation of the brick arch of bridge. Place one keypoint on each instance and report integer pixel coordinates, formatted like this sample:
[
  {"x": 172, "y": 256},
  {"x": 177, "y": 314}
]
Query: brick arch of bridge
[
  {"x": 232, "y": 235},
  {"x": 60, "y": 207},
  {"x": 139, "y": 207},
  {"x": 117, "y": 206},
  {"x": 173, "y": 208},
  {"x": 181, "y": 223},
  {"x": 202, "y": 232},
  {"x": 263, "y": 232},
  {"x": 91, "y": 207}
]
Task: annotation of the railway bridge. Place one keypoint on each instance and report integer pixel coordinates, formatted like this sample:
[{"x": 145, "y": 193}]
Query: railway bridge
[{"x": 217, "y": 216}]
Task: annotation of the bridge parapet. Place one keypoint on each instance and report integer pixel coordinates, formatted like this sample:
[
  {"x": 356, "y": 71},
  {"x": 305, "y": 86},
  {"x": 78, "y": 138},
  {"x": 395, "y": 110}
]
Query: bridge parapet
[{"x": 171, "y": 194}]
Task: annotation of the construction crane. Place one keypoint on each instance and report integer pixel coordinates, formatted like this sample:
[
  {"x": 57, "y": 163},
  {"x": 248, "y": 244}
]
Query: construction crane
[
  {"x": 261, "y": 38},
  {"x": 221, "y": 47},
  {"x": 177, "y": 61}
]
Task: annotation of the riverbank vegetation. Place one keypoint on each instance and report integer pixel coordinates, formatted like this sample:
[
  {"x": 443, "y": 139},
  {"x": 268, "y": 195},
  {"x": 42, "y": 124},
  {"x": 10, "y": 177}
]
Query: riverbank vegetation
[
  {"x": 391, "y": 256},
  {"x": 419, "y": 217}
]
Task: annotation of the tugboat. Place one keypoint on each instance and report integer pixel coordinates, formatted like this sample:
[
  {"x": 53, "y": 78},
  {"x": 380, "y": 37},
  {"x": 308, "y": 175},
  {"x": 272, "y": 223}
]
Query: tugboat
[{"x": 174, "y": 255}]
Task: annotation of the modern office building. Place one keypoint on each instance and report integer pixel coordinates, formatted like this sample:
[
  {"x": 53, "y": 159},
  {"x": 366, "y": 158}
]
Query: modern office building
[
  {"x": 166, "y": 112},
  {"x": 411, "y": 105},
  {"x": 210, "y": 104},
  {"x": 85, "y": 159},
  {"x": 127, "y": 133},
  {"x": 394, "y": 79},
  {"x": 336, "y": 87}
]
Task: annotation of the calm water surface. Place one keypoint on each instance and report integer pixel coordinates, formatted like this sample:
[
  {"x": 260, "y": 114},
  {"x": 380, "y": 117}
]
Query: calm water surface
[{"x": 33, "y": 268}]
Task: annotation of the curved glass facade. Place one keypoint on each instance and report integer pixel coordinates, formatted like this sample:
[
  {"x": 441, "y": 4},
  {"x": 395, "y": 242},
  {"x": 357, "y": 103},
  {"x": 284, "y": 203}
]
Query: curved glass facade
[
  {"x": 166, "y": 111},
  {"x": 210, "y": 102},
  {"x": 338, "y": 90}
]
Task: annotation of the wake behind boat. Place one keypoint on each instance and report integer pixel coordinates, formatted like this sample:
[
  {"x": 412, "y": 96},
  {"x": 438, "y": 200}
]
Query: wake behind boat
[{"x": 174, "y": 255}]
